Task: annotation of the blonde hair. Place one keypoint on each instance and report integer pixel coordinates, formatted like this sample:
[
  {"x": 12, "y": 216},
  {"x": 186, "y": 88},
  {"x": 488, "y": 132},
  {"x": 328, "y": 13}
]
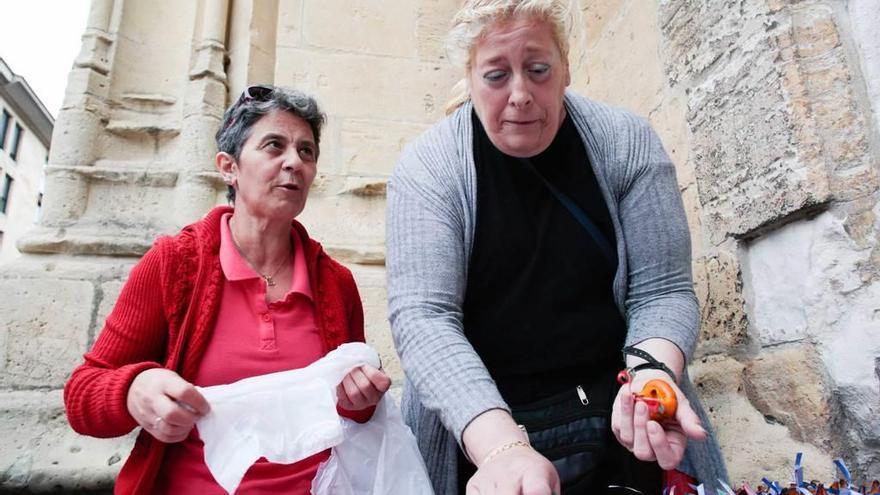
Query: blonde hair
[{"x": 471, "y": 21}]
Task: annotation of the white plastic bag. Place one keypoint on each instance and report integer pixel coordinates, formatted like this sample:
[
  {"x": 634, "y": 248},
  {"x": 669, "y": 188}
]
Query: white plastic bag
[
  {"x": 379, "y": 457},
  {"x": 284, "y": 417}
]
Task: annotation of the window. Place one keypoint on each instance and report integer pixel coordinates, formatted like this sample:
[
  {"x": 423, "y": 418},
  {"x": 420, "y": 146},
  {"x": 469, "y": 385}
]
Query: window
[
  {"x": 4, "y": 193},
  {"x": 4, "y": 124},
  {"x": 16, "y": 140}
]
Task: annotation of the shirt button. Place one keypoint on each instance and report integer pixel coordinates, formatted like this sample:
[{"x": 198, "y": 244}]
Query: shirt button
[{"x": 266, "y": 317}]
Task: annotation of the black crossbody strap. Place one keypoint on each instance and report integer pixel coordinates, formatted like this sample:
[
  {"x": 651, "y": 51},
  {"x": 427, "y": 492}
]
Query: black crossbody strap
[{"x": 579, "y": 215}]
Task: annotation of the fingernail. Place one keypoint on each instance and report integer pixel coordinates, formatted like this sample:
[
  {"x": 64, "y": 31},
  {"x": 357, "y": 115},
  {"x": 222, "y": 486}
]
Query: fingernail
[{"x": 653, "y": 427}]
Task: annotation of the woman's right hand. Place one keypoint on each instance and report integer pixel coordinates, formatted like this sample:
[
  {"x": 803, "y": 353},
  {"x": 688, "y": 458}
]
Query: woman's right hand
[
  {"x": 506, "y": 464},
  {"x": 520, "y": 470},
  {"x": 164, "y": 404}
]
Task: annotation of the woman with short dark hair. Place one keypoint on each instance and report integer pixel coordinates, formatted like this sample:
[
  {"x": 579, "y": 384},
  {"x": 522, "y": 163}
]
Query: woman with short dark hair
[{"x": 243, "y": 292}]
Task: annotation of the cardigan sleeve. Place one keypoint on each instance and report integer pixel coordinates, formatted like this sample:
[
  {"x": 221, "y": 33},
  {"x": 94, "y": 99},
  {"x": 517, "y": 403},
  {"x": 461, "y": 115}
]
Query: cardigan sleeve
[
  {"x": 133, "y": 340},
  {"x": 426, "y": 270},
  {"x": 660, "y": 296}
]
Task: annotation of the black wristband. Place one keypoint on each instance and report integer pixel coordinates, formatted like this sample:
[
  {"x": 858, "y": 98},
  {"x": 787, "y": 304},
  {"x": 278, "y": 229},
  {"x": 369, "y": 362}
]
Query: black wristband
[{"x": 652, "y": 363}]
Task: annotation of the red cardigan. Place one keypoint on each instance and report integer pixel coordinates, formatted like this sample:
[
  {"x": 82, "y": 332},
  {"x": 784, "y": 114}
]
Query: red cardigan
[{"x": 164, "y": 317}]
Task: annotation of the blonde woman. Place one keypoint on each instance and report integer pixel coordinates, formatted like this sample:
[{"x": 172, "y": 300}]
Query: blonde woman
[{"x": 537, "y": 245}]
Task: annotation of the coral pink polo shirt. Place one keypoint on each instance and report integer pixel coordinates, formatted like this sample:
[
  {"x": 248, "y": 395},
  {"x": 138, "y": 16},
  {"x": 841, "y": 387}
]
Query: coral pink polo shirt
[{"x": 251, "y": 337}]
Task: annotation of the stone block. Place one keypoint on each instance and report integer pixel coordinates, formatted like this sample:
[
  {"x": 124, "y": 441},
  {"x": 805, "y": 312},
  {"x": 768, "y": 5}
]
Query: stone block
[
  {"x": 45, "y": 325},
  {"x": 372, "y": 146},
  {"x": 357, "y": 29},
  {"x": 434, "y": 18},
  {"x": 290, "y": 23},
  {"x": 43, "y": 454},
  {"x": 369, "y": 87},
  {"x": 724, "y": 327},
  {"x": 750, "y": 170},
  {"x": 815, "y": 29},
  {"x": 599, "y": 17},
  {"x": 699, "y": 34},
  {"x": 789, "y": 385},
  {"x": 371, "y": 284},
  {"x": 803, "y": 280},
  {"x": 346, "y": 219},
  {"x": 634, "y": 32},
  {"x": 753, "y": 445}
]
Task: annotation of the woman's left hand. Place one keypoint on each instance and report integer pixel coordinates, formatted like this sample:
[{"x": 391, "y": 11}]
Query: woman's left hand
[
  {"x": 649, "y": 440},
  {"x": 362, "y": 387}
]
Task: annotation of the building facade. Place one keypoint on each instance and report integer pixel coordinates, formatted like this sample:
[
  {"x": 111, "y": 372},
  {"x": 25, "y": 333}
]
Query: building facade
[
  {"x": 25, "y": 132},
  {"x": 768, "y": 108}
]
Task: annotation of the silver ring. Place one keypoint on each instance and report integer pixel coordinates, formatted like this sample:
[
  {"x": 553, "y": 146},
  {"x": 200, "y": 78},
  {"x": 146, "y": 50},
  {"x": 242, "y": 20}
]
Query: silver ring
[{"x": 156, "y": 422}]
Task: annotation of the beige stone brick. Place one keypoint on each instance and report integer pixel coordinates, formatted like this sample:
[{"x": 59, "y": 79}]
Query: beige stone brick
[
  {"x": 372, "y": 146},
  {"x": 364, "y": 86},
  {"x": 635, "y": 81},
  {"x": 815, "y": 30},
  {"x": 45, "y": 324},
  {"x": 432, "y": 25},
  {"x": 290, "y": 23},
  {"x": 352, "y": 25},
  {"x": 753, "y": 445},
  {"x": 358, "y": 222},
  {"x": 42, "y": 453},
  {"x": 598, "y": 15},
  {"x": 371, "y": 284},
  {"x": 789, "y": 385},
  {"x": 724, "y": 327}
]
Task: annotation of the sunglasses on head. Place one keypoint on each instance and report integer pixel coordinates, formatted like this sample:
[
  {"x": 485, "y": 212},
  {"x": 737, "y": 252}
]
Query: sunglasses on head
[{"x": 257, "y": 92}]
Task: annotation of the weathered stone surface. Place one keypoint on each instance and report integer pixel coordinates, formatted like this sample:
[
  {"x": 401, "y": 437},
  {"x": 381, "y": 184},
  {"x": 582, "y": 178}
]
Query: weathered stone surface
[
  {"x": 865, "y": 17},
  {"x": 371, "y": 283},
  {"x": 356, "y": 30},
  {"x": 360, "y": 220},
  {"x": 42, "y": 453},
  {"x": 754, "y": 446},
  {"x": 372, "y": 146},
  {"x": 768, "y": 94},
  {"x": 364, "y": 86},
  {"x": 598, "y": 16},
  {"x": 45, "y": 330},
  {"x": 434, "y": 18},
  {"x": 633, "y": 31},
  {"x": 790, "y": 386},
  {"x": 792, "y": 275},
  {"x": 724, "y": 326},
  {"x": 290, "y": 23}
]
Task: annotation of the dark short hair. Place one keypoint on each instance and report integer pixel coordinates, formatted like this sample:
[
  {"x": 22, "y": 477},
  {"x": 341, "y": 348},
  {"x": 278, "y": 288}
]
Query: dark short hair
[{"x": 240, "y": 117}]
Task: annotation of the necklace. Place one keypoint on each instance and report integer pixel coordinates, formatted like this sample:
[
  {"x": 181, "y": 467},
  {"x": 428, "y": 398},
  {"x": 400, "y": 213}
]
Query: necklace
[{"x": 270, "y": 281}]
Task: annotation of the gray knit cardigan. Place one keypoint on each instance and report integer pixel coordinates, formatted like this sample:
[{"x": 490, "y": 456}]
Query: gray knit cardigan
[{"x": 430, "y": 228}]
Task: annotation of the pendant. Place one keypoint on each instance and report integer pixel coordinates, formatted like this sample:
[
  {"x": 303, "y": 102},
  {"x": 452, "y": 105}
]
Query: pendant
[{"x": 269, "y": 281}]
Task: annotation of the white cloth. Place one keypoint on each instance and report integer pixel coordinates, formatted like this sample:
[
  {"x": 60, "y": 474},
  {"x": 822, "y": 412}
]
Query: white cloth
[{"x": 284, "y": 417}]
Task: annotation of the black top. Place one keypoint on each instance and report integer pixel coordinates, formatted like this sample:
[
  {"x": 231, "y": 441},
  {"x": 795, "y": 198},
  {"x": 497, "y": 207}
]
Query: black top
[{"x": 539, "y": 307}]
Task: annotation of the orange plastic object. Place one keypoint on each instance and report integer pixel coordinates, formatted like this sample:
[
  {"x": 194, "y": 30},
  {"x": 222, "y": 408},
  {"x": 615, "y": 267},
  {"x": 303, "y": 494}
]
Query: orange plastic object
[{"x": 660, "y": 399}]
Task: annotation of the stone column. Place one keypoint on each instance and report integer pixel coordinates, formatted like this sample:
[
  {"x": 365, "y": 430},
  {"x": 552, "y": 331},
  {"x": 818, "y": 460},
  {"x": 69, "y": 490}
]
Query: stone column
[{"x": 131, "y": 157}]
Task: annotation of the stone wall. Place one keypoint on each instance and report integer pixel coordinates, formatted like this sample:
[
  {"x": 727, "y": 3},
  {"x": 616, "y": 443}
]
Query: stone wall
[{"x": 766, "y": 107}]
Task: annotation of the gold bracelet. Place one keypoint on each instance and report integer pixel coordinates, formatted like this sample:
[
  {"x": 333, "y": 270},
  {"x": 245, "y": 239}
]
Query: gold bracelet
[{"x": 503, "y": 448}]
